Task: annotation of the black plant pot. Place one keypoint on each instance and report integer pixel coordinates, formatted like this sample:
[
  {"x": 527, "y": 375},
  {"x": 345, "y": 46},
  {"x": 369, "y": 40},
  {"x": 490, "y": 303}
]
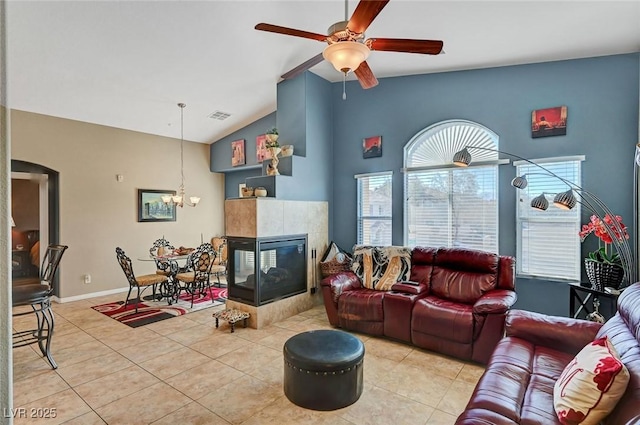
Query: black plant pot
[{"x": 603, "y": 274}]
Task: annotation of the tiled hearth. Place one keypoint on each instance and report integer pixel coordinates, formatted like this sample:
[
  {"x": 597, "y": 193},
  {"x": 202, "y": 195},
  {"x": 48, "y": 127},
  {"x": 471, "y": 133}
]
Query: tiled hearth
[
  {"x": 189, "y": 372},
  {"x": 267, "y": 217}
]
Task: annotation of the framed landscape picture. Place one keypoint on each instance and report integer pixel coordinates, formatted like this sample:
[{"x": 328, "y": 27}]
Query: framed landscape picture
[
  {"x": 237, "y": 153},
  {"x": 152, "y": 208},
  {"x": 372, "y": 147},
  {"x": 549, "y": 122}
]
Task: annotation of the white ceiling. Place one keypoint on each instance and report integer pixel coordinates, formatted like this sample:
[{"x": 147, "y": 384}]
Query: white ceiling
[{"x": 127, "y": 64}]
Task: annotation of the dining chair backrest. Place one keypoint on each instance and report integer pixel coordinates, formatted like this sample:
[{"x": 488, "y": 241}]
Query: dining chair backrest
[
  {"x": 127, "y": 267},
  {"x": 50, "y": 263},
  {"x": 219, "y": 244},
  {"x": 201, "y": 261},
  {"x": 162, "y": 242},
  {"x": 163, "y": 265}
]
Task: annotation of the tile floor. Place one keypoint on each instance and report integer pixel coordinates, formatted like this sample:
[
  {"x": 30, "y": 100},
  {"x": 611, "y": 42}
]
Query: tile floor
[{"x": 184, "y": 370}]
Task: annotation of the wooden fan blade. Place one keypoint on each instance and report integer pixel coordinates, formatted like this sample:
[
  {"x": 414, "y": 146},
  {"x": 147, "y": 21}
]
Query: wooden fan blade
[
  {"x": 290, "y": 31},
  {"x": 429, "y": 47},
  {"x": 302, "y": 67},
  {"x": 365, "y": 13},
  {"x": 365, "y": 76}
]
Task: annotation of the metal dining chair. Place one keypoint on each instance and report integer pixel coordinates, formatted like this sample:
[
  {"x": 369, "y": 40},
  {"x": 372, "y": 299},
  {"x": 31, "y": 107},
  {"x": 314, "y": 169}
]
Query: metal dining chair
[
  {"x": 160, "y": 247},
  {"x": 38, "y": 296},
  {"x": 137, "y": 282},
  {"x": 219, "y": 267},
  {"x": 164, "y": 267},
  {"x": 196, "y": 280}
]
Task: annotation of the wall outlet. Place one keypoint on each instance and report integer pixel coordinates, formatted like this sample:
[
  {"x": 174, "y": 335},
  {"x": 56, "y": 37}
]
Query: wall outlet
[{"x": 87, "y": 278}]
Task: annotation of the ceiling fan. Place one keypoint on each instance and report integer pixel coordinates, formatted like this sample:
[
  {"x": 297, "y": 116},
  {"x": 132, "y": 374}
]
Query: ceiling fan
[{"x": 347, "y": 49}]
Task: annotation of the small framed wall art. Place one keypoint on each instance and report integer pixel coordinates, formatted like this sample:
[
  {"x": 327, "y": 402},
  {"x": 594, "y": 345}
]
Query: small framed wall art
[
  {"x": 237, "y": 153},
  {"x": 261, "y": 148},
  {"x": 549, "y": 122},
  {"x": 372, "y": 147},
  {"x": 152, "y": 208}
]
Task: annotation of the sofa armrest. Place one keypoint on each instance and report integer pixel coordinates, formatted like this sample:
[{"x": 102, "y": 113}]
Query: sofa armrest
[
  {"x": 340, "y": 282},
  {"x": 495, "y": 302},
  {"x": 561, "y": 333},
  {"x": 410, "y": 288},
  {"x": 332, "y": 287}
]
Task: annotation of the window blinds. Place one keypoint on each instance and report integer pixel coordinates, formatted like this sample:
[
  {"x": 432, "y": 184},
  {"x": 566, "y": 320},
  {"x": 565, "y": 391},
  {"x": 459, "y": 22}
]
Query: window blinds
[
  {"x": 548, "y": 241},
  {"x": 374, "y": 208},
  {"x": 452, "y": 207}
]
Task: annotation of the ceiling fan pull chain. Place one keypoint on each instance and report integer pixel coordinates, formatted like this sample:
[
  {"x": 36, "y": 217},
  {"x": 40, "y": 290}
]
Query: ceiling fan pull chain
[{"x": 344, "y": 86}]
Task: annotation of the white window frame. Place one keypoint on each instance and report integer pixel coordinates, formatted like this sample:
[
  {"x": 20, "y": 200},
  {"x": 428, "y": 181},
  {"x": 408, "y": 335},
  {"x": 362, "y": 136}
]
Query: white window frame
[
  {"x": 366, "y": 215},
  {"x": 574, "y": 217},
  {"x": 449, "y": 139}
]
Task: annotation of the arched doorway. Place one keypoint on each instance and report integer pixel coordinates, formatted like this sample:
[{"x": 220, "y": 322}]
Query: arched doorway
[{"x": 49, "y": 208}]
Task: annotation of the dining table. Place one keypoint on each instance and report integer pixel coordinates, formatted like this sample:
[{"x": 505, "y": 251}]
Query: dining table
[{"x": 172, "y": 263}]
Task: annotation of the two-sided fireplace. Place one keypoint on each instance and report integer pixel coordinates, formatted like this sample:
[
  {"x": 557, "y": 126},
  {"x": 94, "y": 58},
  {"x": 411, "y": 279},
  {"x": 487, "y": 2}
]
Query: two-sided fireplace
[{"x": 266, "y": 269}]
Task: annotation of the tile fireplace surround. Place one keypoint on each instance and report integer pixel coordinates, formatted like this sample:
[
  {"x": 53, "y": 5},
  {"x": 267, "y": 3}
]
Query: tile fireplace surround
[{"x": 266, "y": 217}]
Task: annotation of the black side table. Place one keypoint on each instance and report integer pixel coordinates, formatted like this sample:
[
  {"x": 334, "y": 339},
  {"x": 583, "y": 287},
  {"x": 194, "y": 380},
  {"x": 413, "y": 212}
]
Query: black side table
[{"x": 585, "y": 296}]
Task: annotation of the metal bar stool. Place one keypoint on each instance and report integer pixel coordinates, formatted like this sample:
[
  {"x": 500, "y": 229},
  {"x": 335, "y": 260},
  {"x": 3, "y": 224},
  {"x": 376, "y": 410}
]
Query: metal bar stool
[{"x": 38, "y": 296}]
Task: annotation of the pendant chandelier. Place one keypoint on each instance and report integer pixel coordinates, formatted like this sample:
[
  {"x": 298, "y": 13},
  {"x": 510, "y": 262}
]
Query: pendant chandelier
[{"x": 180, "y": 199}]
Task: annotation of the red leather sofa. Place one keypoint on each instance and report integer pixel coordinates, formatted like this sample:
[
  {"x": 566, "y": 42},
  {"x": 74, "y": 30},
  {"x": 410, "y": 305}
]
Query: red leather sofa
[
  {"x": 517, "y": 385},
  {"x": 455, "y": 304}
]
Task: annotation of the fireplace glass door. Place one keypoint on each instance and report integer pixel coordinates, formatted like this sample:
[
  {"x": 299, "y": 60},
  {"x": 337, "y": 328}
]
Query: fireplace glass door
[{"x": 263, "y": 270}]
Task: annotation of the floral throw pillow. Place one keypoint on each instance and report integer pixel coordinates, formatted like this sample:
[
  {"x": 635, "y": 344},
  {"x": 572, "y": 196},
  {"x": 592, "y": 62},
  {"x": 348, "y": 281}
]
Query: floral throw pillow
[
  {"x": 590, "y": 385},
  {"x": 379, "y": 267}
]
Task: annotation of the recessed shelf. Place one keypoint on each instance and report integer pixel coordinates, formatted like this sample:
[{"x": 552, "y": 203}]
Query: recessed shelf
[{"x": 239, "y": 168}]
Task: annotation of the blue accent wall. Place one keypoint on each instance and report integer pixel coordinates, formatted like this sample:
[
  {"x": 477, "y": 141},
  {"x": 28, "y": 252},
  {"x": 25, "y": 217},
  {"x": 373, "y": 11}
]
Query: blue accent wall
[
  {"x": 304, "y": 120},
  {"x": 319, "y": 138},
  {"x": 220, "y": 160},
  {"x": 602, "y": 96},
  {"x": 602, "y": 99}
]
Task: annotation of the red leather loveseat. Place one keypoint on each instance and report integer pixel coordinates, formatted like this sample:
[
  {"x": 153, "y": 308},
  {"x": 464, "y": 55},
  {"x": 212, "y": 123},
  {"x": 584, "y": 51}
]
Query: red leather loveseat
[
  {"x": 455, "y": 304},
  {"x": 517, "y": 385}
]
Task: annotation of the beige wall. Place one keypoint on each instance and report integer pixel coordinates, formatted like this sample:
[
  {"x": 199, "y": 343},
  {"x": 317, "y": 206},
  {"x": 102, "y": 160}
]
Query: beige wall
[{"x": 97, "y": 213}]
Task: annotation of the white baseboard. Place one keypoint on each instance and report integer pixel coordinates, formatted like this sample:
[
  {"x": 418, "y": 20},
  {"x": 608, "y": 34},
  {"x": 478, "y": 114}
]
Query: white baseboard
[{"x": 89, "y": 295}]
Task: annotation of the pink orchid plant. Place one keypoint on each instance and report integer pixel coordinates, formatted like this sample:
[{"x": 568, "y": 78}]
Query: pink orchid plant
[{"x": 598, "y": 226}]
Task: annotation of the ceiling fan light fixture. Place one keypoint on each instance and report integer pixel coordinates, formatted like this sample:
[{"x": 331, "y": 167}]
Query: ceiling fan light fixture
[{"x": 346, "y": 56}]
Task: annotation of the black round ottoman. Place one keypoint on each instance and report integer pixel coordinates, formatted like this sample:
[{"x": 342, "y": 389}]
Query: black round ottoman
[{"x": 323, "y": 369}]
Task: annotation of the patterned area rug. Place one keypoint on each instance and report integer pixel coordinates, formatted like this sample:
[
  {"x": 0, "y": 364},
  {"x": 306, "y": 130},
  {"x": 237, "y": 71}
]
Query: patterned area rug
[{"x": 151, "y": 311}]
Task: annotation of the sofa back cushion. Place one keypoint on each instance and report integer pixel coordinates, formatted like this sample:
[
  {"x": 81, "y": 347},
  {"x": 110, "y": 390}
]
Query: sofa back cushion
[
  {"x": 422, "y": 260},
  {"x": 623, "y": 330},
  {"x": 507, "y": 273},
  {"x": 464, "y": 275},
  {"x": 380, "y": 267}
]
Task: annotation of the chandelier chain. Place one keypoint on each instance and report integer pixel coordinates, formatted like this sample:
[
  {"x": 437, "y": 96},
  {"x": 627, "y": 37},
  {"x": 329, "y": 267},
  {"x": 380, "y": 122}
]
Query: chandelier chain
[
  {"x": 181, "y": 199},
  {"x": 182, "y": 106}
]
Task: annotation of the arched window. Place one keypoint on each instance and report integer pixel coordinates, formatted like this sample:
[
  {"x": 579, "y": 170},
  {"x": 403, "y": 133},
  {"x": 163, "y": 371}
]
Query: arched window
[{"x": 445, "y": 205}]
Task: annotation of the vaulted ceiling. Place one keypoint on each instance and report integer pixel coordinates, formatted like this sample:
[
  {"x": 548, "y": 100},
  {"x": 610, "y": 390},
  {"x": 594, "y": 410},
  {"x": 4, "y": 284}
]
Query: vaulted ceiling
[{"x": 127, "y": 64}]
